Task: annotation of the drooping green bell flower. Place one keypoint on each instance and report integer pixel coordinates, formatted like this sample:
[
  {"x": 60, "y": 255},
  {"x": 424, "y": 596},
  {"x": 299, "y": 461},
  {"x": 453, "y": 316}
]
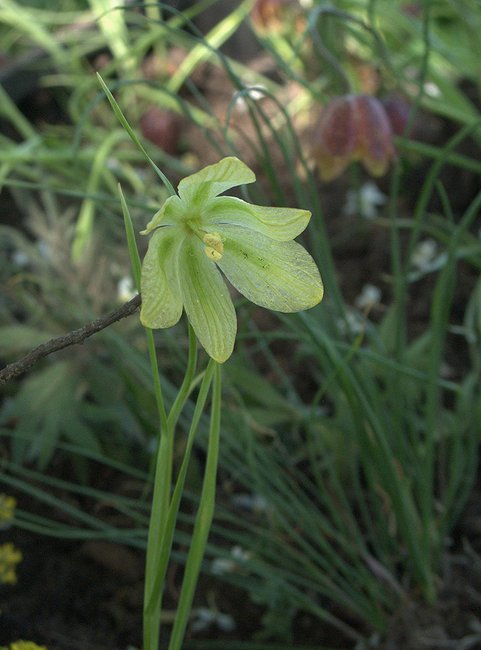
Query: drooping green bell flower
[{"x": 199, "y": 232}]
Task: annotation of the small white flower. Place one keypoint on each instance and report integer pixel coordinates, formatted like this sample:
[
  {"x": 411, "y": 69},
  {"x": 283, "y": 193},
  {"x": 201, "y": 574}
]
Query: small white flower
[
  {"x": 426, "y": 259},
  {"x": 125, "y": 289},
  {"x": 203, "y": 618},
  {"x": 253, "y": 92},
  {"x": 20, "y": 258},
  {"x": 424, "y": 254},
  {"x": 432, "y": 89},
  {"x": 353, "y": 324},
  {"x": 366, "y": 201},
  {"x": 251, "y": 502},
  {"x": 256, "y": 92},
  {"x": 240, "y": 554},
  {"x": 369, "y": 297},
  {"x": 222, "y": 565}
]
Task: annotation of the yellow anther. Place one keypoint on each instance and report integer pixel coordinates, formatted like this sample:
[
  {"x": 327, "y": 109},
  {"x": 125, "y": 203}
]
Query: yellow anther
[{"x": 214, "y": 247}]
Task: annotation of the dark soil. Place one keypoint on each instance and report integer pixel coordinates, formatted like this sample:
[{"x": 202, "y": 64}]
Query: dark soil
[
  {"x": 73, "y": 595},
  {"x": 88, "y": 596}
]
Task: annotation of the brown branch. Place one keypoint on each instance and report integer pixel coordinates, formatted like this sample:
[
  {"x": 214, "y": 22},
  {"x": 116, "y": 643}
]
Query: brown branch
[{"x": 72, "y": 338}]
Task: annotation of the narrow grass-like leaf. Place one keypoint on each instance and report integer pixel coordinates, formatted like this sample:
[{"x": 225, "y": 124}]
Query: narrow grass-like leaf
[
  {"x": 203, "y": 520},
  {"x": 135, "y": 262},
  {"x": 123, "y": 121}
]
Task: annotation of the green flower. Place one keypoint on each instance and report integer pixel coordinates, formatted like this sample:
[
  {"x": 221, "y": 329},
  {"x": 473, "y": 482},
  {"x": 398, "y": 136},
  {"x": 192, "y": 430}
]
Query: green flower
[{"x": 199, "y": 232}]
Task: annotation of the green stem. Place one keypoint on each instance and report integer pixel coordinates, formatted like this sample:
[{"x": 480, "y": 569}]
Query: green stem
[
  {"x": 167, "y": 539},
  {"x": 186, "y": 387},
  {"x": 160, "y": 502},
  {"x": 203, "y": 520},
  {"x": 160, "y": 534}
]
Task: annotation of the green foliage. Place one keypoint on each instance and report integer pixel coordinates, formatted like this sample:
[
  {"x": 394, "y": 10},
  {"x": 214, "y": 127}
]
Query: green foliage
[
  {"x": 356, "y": 447},
  {"x": 81, "y": 396}
]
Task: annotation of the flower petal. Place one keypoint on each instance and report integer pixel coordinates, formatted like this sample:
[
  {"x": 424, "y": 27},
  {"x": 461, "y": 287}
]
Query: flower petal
[
  {"x": 282, "y": 224},
  {"x": 159, "y": 287},
  {"x": 336, "y": 137},
  {"x": 277, "y": 275},
  {"x": 374, "y": 135},
  {"x": 207, "y": 301},
  {"x": 170, "y": 213},
  {"x": 215, "y": 179}
]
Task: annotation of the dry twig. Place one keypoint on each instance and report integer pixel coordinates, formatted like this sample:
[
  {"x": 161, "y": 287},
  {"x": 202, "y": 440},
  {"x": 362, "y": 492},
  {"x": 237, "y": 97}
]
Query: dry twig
[{"x": 72, "y": 338}]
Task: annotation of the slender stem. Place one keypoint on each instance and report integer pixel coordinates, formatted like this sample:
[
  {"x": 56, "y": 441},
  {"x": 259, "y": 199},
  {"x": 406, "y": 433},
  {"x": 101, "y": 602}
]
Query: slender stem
[
  {"x": 319, "y": 14},
  {"x": 160, "y": 504},
  {"x": 186, "y": 387},
  {"x": 203, "y": 520},
  {"x": 159, "y": 527},
  {"x": 168, "y": 537}
]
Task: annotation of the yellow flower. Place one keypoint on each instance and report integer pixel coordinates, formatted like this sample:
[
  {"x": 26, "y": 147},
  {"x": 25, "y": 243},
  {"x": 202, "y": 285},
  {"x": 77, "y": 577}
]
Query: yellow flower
[
  {"x": 7, "y": 507},
  {"x": 26, "y": 645},
  {"x": 9, "y": 558}
]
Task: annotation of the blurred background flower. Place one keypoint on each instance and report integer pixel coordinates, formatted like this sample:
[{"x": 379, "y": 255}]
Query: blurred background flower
[{"x": 353, "y": 128}]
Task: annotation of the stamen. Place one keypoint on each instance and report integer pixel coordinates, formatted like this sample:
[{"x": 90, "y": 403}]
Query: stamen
[{"x": 214, "y": 248}]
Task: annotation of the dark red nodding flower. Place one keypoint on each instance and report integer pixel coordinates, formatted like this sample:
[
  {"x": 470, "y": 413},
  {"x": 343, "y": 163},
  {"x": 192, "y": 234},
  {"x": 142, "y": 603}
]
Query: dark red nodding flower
[
  {"x": 397, "y": 109},
  {"x": 161, "y": 127},
  {"x": 269, "y": 15},
  {"x": 353, "y": 128}
]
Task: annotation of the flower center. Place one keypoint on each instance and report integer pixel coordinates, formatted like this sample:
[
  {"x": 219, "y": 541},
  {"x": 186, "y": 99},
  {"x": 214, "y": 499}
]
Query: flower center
[{"x": 214, "y": 248}]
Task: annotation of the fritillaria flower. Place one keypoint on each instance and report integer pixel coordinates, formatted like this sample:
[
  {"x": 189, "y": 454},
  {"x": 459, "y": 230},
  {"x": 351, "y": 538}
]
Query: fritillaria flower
[
  {"x": 197, "y": 234},
  {"x": 271, "y": 16},
  {"x": 353, "y": 128},
  {"x": 397, "y": 110},
  {"x": 162, "y": 128}
]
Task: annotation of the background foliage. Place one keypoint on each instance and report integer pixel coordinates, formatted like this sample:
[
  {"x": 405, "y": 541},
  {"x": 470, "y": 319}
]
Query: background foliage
[{"x": 350, "y": 432}]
